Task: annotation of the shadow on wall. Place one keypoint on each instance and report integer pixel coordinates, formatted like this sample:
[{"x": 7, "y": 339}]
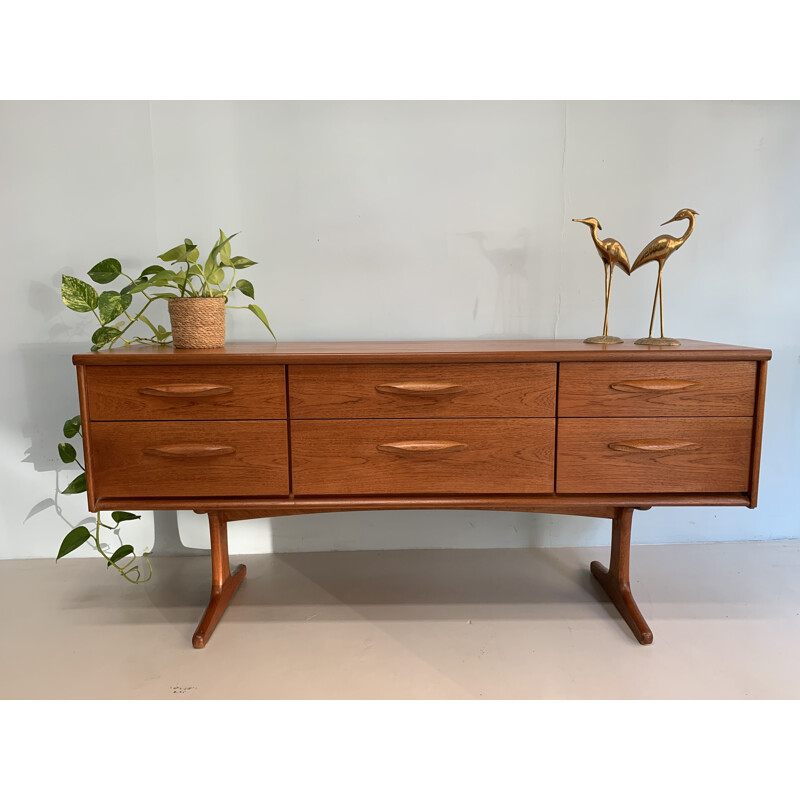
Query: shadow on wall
[
  {"x": 508, "y": 255},
  {"x": 51, "y": 397},
  {"x": 417, "y": 529}
]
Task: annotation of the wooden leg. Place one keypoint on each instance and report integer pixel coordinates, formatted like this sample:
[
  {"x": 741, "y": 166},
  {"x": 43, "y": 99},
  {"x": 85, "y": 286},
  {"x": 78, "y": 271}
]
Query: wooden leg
[
  {"x": 223, "y": 583},
  {"x": 616, "y": 581}
]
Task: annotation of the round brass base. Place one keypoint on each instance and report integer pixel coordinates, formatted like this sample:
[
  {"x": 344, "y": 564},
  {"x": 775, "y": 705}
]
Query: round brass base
[
  {"x": 603, "y": 340},
  {"x": 658, "y": 341}
]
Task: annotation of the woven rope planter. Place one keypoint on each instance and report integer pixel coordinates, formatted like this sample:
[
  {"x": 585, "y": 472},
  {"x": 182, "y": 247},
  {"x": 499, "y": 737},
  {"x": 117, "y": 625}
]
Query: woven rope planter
[{"x": 197, "y": 322}]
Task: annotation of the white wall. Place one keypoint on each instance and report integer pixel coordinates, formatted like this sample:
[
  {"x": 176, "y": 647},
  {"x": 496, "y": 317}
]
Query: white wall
[{"x": 382, "y": 220}]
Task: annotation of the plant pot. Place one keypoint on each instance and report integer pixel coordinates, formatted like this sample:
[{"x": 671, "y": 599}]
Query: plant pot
[{"x": 197, "y": 322}]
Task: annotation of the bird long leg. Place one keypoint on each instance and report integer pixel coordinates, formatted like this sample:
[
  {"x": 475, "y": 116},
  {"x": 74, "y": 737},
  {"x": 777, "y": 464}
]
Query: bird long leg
[
  {"x": 609, "y": 276},
  {"x": 655, "y": 301},
  {"x": 661, "y": 301}
]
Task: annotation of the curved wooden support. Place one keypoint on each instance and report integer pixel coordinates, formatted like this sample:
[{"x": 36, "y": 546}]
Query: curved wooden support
[
  {"x": 615, "y": 579},
  {"x": 223, "y": 583}
]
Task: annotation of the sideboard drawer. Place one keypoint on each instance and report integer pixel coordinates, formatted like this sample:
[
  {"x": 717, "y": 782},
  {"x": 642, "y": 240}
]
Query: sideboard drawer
[
  {"x": 644, "y": 389},
  {"x": 181, "y": 459},
  {"x": 486, "y": 456},
  {"x": 420, "y": 391},
  {"x": 698, "y": 454},
  {"x": 186, "y": 392}
]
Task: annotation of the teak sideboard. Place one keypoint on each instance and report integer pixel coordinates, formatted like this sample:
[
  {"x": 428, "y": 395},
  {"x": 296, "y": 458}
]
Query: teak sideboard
[{"x": 562, "y": 427}]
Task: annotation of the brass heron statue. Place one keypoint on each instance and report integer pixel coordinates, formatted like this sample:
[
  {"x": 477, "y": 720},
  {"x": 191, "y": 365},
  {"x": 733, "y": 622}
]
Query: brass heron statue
[
  {"x": 659, "y": 250},
  {"x": 612, "y": 253}
]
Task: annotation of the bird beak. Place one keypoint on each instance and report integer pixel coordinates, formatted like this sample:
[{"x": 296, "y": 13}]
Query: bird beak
[{"x": 668, "y": 222}]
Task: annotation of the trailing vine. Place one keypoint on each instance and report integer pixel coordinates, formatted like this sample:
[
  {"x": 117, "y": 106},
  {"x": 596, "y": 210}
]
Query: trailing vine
[
  {"x": 123, "y": 559},
  {"x": 113, "y": 311}
]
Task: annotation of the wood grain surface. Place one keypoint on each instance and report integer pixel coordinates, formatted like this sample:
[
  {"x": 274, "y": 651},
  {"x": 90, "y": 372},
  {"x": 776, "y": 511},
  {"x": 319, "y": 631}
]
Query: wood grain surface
[
  {"x": 422, "y": 391},
  {"x": 422, "y": 352},
  {"x": 124, "y": 464},
  {"x": 720, "y": 463},
  {"x": 645, "y": 389},
  {"x": 539, "y": 502},
  {"x": 172, "y": 392},
  {"x": 339, "y": 457}
]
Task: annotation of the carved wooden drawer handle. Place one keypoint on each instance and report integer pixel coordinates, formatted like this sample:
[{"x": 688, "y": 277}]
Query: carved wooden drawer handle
[
  {"x": 186, "y": 390},
  {"x": 189, "y": 450},
  {"x": 422, "y": 447},
  {"x": 423, "y": 389},
  {"x": 654, "y": 445},
  {"x": 654, "y": 385}
]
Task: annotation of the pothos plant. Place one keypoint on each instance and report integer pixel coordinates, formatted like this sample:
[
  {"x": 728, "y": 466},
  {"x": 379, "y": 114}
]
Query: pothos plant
[
  {"x": 123, "y": 558},
  {"x": 217, "y": 277}
]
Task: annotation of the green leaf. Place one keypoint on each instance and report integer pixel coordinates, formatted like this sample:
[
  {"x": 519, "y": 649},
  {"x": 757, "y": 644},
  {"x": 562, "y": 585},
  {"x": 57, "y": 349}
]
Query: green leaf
[
  {"x": 163, "y": 278},
  {"x": 72, "y": 426},
  {"x": 77, "y": 295},
  {"x": 245, "y": 287},
  {"x": 77, "y": 486},
  {"x": 212, "y": 256},
  {"x": 67, "y": 452},
  {"x": 124, "y": 516},
  {"x": 263, "y": 317},
  {"x": 151, "y": 270},
  {"x": 111, "y": 304},
  {"x": 217, "y": 276},
  {"x": 225, "y": 249},
  {"x": 106, "y": 271},
  {"x": 139, "y": 285},
  {"x": 73, "y": 540},
  {"x": 191, "y": 251},
  {"x": 121, "y": 552},
  {"x": 162, "y": 333},
  {"x": 211, "y": 264},
  {"x": 176, "y": 254},
  {"x": 240, "y": 262},
  {"x": 105, "y": 335}
]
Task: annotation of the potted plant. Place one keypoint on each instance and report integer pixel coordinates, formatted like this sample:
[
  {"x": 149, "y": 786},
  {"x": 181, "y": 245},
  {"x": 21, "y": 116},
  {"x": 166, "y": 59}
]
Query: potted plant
[
  {"x": 197, "y": 297},
  {"x": 187, "y": 289}
]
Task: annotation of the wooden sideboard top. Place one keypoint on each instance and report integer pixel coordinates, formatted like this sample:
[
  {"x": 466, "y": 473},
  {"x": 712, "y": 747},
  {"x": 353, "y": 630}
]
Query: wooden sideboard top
[{"x": 443, "y": 351}]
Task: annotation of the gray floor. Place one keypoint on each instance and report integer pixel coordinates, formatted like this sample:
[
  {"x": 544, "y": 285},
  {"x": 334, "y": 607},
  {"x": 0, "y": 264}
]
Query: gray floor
[{"x": 410, "y": 624}]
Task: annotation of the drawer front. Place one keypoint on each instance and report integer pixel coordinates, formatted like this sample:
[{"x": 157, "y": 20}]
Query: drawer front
[
  {"x": 179, "y": 459},
  {"x": 483, "y": 456},
  {"x": 176, "y": 393},
  {"x": 645, "y": 389},
  {"x": 422, "y": 391},
  {"x": 699, "y": 454}
]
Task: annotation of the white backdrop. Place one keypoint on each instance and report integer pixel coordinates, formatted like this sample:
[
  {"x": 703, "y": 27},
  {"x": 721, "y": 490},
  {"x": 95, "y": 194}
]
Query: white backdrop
[{"x": 400, "y": 220}]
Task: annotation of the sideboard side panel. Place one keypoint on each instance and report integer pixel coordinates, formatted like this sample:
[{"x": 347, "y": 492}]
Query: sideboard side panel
[
  {"x": 86, "y": 430},
  {"x": 758, "y": 423}
]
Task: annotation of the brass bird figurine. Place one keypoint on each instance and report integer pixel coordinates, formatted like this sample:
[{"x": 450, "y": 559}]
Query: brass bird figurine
[
  {"x": 612, "y": 253},
  {"x": 660, "y": 249}
]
